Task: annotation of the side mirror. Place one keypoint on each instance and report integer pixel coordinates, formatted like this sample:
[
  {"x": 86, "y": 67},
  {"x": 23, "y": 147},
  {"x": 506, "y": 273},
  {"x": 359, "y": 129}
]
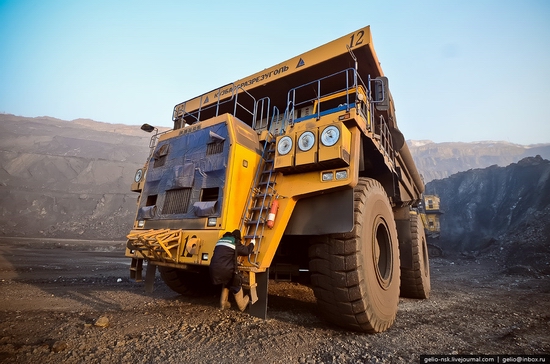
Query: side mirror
[
  {"x": 381, "y": 97},
  {"x": 148, "y": 128}
]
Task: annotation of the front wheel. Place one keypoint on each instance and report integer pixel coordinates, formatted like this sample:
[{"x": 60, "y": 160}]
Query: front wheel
[
  {"x": 186, "y": 282},
  {"x": 355, "y": 276}
]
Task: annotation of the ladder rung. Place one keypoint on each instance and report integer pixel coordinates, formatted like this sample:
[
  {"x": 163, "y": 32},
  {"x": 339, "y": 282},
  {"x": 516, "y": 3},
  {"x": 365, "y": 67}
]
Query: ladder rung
[
  {"x": 261, "y": 195},
  {"x": 259, "y": 208},
  {"x": 264, "y": 189},
  {"x": 254, "y": 222}
]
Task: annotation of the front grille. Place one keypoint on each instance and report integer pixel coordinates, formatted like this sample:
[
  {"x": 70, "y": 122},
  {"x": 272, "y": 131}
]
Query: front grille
[
  {"x": 214, "y": 148},
  {"x": 176, "y": 201}
]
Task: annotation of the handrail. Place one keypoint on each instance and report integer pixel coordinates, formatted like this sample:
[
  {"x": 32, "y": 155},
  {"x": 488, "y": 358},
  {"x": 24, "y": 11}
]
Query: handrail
[
  {"x": 353, "y": 85},
  {"x": 181, "y": 114},
  {"x": 154, "y": 141},
  {"x": 237, "y": 104},
  {"x": 262, "y": 105},
  {"x": 386, "y": 141}
]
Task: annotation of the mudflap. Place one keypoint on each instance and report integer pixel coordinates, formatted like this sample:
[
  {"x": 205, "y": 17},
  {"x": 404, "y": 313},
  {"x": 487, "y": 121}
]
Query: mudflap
[
  {"x": 259, "y": 308},
  {"x": 150, "y": 277},
  {"x": 136, "y": 268}
]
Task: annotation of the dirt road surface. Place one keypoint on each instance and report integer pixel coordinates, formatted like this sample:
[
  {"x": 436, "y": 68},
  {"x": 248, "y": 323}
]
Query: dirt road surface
[{"x": 72, "y": 302}]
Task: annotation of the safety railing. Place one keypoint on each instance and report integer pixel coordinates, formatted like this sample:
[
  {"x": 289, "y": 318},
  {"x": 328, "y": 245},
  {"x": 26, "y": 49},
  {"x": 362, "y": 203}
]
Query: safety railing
[
  {"x": 234, "y": 102},
  {"x": 241, "y": 106},
  {"x": 263, "y": 106},
  {"x": 335, "y": 92},
  {"x": 182, "y": 116},
  {"x": 383, "y": 134}
]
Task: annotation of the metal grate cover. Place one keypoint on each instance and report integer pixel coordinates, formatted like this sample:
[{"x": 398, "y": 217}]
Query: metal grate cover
[
  {"x": 176, "y": 201},
  {"x": 214, "y": 148}
]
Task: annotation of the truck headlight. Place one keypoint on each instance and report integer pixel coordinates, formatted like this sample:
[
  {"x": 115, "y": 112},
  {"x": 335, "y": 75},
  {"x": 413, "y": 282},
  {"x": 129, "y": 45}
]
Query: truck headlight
[
  {"x": 330, "y": 136},
  {"x": 342, "y": 174},
  {"x": 306, "y": 141},
  {"x": 285, "y": 145},
  {"x": 327, "y": 176},
  {"x": 139, "y": 174}
]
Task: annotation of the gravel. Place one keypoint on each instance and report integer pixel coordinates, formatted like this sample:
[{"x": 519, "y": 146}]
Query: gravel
[{"x": 78, "y": 305}]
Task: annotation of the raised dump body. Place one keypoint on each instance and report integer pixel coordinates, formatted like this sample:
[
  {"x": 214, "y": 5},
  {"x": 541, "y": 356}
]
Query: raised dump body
[{"x": 306, "y": 159}]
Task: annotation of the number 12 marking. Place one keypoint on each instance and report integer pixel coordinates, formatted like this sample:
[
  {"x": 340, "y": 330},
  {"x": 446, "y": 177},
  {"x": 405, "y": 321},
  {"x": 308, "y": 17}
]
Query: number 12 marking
[{"x": 359, "y": 41}]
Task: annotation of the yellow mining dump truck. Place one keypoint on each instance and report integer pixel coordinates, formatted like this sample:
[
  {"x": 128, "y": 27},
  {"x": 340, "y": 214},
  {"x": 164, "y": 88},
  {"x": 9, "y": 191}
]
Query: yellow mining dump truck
[
  {"x": 306, "y": 159},
  {"x": 430, "y": 212}
]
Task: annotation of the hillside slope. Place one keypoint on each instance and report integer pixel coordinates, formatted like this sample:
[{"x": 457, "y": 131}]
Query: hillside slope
[
  {"x": 71, "y": 179},
  {"x": 68, "y": 179},
  {"x": 441, "y": 160}
]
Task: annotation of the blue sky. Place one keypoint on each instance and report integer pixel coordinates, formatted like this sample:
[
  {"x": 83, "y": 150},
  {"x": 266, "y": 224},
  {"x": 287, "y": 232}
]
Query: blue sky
[{"x": 458, "y": 70}]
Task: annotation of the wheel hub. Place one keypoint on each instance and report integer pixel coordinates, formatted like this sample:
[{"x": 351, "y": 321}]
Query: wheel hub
[{"x": 382, "y": 257}]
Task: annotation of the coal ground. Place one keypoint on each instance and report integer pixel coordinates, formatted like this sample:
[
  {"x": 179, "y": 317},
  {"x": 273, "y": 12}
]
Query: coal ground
[{"x": 72, "y": 301}]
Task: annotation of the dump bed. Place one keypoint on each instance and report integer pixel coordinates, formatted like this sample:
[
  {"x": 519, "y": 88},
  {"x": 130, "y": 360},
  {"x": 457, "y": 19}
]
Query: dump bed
[{"x": 274, "y": 82}]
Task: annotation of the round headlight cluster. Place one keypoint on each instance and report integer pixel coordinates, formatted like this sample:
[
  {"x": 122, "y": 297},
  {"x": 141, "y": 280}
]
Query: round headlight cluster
[
  {"x": 139, "y": 174},
  {"x": 306, "y": 141},
  {"x": 285, "y": 145},
  {"x": 330, "y": 136}
]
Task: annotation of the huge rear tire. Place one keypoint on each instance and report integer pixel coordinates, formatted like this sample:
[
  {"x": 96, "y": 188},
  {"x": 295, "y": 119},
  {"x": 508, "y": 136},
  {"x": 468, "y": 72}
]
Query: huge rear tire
[
  {"x": 415, "y": 282},
  {"x": 186, "y": 282},
  {"x": 355, "y": 276}
]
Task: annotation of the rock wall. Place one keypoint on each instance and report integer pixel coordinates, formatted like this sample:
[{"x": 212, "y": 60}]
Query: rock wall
[
  {"x": 499, "y": 210},
  {"x": 441, "y": 160}
]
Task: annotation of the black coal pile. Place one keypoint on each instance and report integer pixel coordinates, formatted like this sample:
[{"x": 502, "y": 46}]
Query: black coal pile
[
  {"x": 527, "y": 250},
  {"x": 498, "y": 212}
]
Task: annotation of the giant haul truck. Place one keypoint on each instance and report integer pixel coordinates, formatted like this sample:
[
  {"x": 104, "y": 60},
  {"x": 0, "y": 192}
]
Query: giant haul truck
[{"x": 306, "y": 159}]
